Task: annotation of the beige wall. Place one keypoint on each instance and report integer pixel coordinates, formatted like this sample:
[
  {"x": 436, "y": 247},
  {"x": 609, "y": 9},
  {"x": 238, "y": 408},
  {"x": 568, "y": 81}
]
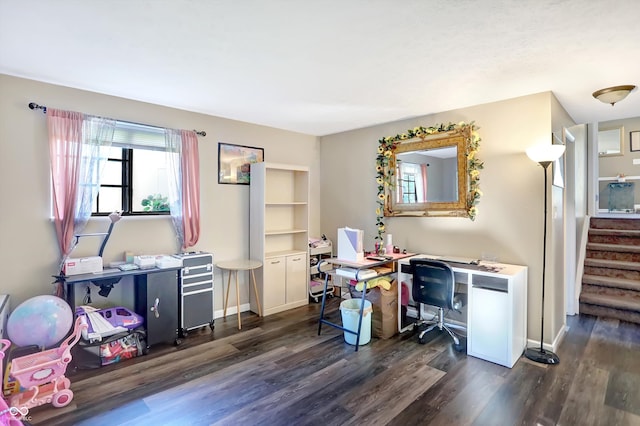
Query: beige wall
[
  {"x": 29, "y": 249},
  {"x": 509, "y": 224}
]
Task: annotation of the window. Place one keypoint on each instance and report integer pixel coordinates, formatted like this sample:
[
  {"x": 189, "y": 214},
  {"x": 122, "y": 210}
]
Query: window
[
  {"x": 411, "y": 183},
  {"x": 134, "y": 179}
]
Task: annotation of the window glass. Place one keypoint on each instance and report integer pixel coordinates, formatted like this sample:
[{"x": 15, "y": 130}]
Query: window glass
[
  {"x": 136, "y": 182},
  {"x": 112, "y": 173},
  {"x": 149, "y": 181},
  {"x": 109, "y": 200},
  {"x": 115, "y": 152}
]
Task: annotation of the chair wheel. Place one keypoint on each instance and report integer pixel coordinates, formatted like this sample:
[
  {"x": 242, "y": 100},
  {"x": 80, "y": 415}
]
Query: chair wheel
[
  {"x": 423, "y": 339},
  {"x": 462, "y": 346}
]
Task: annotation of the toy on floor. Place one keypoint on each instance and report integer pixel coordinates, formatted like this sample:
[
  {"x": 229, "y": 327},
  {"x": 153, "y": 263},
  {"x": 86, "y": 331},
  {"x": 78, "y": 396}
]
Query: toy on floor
[
  {"x": 9, "y": 415},
  {"x": 42, "y": 320},
  {"x": 42, "y": 374}
]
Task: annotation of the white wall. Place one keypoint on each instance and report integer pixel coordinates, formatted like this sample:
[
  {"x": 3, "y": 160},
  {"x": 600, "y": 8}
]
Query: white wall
[
  {"x": 28, "y": 244},
  {"x": 509, "y": 224}
]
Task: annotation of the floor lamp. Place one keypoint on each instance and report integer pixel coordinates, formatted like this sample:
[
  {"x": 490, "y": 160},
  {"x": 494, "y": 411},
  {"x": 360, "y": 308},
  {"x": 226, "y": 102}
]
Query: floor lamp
[{"x": 544, "y": 155}]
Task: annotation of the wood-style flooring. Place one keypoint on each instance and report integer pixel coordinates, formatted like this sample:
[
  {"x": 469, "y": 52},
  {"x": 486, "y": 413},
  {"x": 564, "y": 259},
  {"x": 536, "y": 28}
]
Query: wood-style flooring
[{"x": 278, "y": 371}]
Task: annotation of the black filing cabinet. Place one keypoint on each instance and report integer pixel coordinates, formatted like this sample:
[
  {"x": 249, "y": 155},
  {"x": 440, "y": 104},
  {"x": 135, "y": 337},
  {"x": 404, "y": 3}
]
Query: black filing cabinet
[
  {"x": 195, "y": 306},
  {"x": 156, "y": 295}
]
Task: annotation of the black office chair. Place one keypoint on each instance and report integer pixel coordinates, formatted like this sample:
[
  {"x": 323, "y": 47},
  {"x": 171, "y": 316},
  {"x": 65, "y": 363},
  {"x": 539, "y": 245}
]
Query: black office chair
[{"x": 434, "y": 285}]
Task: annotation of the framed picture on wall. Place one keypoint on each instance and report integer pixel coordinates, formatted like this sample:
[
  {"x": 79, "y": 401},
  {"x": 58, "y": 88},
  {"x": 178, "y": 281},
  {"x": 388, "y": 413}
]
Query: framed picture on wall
[
  {"x": 234, "y": 163},
  {"x": 634, "y": 137}
]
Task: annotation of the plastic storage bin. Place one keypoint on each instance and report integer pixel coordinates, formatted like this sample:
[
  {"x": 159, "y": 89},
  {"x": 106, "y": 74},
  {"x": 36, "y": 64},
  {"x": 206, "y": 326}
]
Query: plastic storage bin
[{"x": 350, "y": 311}]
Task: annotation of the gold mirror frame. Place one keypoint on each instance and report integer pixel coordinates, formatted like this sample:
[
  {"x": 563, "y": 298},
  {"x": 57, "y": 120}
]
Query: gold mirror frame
[{"x": 464, "y": 137}]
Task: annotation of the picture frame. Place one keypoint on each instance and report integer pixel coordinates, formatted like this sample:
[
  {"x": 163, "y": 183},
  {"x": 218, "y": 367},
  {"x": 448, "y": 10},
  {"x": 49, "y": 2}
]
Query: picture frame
[
  {"x": 234, "y": 163},
  {"x": 558, "y": 165},
  {"x": 634, "y": 140}
]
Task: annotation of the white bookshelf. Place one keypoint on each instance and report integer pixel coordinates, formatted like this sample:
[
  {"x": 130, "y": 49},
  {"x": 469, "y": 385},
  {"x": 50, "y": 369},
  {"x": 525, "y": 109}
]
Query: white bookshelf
[{"x": 279, "y": 234}]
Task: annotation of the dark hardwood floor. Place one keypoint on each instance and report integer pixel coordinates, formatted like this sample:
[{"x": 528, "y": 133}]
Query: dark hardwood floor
[{"x": 278, "y": 371}]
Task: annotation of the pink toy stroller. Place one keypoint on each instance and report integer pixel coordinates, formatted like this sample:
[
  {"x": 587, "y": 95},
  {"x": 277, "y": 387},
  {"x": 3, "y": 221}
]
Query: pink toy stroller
[
  {"x": 42, "y": 374},
  {"x": 9, "y": 416}
]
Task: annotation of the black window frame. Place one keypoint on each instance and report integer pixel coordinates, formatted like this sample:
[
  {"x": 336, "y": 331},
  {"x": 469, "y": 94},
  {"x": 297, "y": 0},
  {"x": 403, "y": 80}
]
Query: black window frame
[{"x": 126, "y": 184}]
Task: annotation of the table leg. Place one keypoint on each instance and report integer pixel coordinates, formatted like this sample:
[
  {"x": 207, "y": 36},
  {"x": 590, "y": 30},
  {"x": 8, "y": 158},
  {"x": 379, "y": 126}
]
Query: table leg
[
  {"x": 255, "y": 289},
  {"x": 238, "y": 302},
  {"x": 226, "y": 300}
]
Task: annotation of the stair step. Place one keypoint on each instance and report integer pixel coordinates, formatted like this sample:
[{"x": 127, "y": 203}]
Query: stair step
[
  {"x": 624, "y": 248},
  {"x": 612, "y": 264},
  {"x": 615, "y": 232},
  {"x": 610, "y": 301},
  {"x": 611, "y": 282},
  {"x": 610, "y": 223},
  {"x": 605, "y": 312}
]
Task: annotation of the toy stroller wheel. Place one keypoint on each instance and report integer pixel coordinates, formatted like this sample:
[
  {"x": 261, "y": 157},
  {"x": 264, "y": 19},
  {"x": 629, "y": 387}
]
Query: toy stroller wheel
[
  {"x": 65, "y": 383},
  {"x": 184, "y": 332},
  {"x": 211, "y": 325},
  {"x": 62, "y": 398},
  {"x": 177, "y": 342}
]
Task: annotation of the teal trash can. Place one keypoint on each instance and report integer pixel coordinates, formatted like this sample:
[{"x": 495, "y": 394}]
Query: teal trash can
[{"x": 350, "y": 311}]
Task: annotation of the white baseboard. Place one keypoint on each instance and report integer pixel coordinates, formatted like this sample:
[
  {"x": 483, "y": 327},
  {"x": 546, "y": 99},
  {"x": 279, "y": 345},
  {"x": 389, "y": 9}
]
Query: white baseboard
[
  {"x": 232, "y": 310},
  {"x": 556, "y": 342}
]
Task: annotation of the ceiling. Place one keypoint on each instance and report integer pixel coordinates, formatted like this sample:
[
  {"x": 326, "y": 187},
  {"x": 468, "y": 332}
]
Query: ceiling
[{"x": 327, "y": 66}]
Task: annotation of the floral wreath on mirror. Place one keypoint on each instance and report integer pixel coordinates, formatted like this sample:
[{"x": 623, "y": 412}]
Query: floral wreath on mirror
[{"x": 385, "y": 176}]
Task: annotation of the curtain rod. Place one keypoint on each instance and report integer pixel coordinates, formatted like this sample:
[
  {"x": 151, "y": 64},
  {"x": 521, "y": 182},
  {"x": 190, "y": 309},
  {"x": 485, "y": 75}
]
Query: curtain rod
[{"x": 33, "y": 105}]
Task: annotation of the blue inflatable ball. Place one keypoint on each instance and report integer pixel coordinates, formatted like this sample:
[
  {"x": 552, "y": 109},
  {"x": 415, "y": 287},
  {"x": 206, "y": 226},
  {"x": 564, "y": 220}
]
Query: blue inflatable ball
[{"x": 42, "y": 320}]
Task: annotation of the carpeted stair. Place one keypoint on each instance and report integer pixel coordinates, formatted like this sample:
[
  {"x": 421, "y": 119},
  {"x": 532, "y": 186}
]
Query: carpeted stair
[{"x": 611, "y": 279}]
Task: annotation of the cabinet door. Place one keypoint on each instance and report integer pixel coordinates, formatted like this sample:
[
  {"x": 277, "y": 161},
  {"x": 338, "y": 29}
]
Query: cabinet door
[
  {"x": 296, "y": 278},
  {"x": 273, "y": 291},
  {"x": 160, "y": 291},
  {"x": 489, "y": 319}
]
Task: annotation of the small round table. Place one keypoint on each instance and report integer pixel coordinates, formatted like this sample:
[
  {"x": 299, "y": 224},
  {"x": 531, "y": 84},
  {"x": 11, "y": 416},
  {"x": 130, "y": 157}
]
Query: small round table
[{"x": 233, "y": 266}]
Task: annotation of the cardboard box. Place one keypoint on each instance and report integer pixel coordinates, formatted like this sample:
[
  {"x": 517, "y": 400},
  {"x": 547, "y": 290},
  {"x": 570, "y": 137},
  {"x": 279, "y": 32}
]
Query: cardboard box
[{"x": 84, "y": 265}]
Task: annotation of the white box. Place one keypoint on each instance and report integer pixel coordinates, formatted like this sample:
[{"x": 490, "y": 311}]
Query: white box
[
  {"x": 164, "y": 261},
  {"x": 350, "y": 244},
  {"x": 83, "y": 265},
  {"x": 145, "y": 262},
  {"x": 359, "y": 274},
  {"x": 4, "y": 315}
]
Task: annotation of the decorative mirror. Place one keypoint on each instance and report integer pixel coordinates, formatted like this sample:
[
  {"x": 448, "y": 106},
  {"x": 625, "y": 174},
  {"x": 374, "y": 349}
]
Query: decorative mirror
[
  {"x": 611, "y": 142},
  {"x": 429, "y": 171}
]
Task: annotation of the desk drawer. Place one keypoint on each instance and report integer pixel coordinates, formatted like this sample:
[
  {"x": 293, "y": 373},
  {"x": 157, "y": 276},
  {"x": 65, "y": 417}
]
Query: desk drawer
[
  {"x": 490, "y": 283},
  {"x": 194, "y": 279},
  {"x": 196, "y": 287}
]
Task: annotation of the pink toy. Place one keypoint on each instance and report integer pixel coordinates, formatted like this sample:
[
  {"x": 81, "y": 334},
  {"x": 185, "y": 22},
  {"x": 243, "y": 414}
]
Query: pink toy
[
  {"x": 8, "y": 415},
  {"x": 42, "y": 374}
]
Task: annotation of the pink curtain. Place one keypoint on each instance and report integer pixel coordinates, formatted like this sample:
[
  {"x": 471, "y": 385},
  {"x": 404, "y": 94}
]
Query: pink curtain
[
  {"x": 423, "y": 168},
  {"x": 65, "y": 149},
  {"x": 190, "y": 165}
]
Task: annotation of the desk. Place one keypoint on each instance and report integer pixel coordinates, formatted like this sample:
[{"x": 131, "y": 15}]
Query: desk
[
  {"x": 364, "y": 264},
  {"x": 233, "y": 266},
  {"x": 155, "y": 297},
  {"x": 496, "y": 307}
]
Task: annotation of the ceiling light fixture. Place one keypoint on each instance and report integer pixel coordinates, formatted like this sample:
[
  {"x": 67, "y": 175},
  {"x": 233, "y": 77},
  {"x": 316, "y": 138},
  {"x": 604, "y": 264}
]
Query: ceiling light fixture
[{"x": 611, "y": 95}]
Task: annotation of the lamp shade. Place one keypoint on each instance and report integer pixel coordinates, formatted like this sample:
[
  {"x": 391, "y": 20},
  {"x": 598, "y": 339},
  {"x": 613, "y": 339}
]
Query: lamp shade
[
  {"x": 545, "y": 153},
  {"x": 611, "y": 95}
]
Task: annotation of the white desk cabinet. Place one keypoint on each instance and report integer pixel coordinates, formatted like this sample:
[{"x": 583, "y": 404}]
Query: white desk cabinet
[
  {"x": 497, "y": 322},
  {"x": 496, "y": 308}
]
